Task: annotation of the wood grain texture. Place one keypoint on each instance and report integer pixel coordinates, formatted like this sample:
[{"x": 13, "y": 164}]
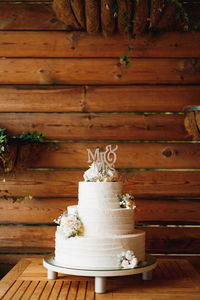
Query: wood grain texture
[
  {"x": 170, "y": 240},
  {"x": 29, "y": 17},
  {"x": 41, "y": 99},
  {"x": 140, "y": 98},
  {"x": 148, "y": 211},
  {"x": 129, "y": 155},
  {"x": 95, "y": 126},
  {"x": 97, "y": 99},
  {"x": 39, "y": 239},
  {"x": 149, "y": 184},
  {"x": 110, "y": 71},
  {"x": 164, "y": 285},
  {"x": 10, "y": 278},
  {"x": 80, "y": 44}
]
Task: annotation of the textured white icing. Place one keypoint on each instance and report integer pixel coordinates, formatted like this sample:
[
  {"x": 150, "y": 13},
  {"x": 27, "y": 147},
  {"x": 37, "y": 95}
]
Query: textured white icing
[
  {"x": 97, "y": 252},
  {"x": 107, "y": 222},
  {"x": 99, "y": 195},
  {"x": 108, "y": 229}
]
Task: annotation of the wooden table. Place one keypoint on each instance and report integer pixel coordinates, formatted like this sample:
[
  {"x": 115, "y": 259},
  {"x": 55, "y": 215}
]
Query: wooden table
[{"x": 172, "y": 279}]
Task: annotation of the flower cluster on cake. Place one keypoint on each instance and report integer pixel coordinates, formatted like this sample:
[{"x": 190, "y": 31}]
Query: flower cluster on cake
[{"x": 99, "y": 232}]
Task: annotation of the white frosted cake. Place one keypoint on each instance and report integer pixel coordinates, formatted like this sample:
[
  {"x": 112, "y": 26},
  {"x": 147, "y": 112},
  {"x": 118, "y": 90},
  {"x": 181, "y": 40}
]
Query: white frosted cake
[{"x": 99, "y": 232}]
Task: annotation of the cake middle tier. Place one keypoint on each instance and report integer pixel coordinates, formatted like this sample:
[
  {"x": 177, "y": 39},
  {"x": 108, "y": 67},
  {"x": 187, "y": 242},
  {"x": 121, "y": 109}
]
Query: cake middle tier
[
  {"x": 107, "y": 222},
  {"x": 99, "y": 195}
]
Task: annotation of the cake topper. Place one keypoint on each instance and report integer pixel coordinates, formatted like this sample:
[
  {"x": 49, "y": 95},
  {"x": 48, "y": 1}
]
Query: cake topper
[{"x": 107, "y": 158}]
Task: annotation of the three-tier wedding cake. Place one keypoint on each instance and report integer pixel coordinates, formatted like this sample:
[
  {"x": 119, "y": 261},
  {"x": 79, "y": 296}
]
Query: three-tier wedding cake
[{"x": 99, "y": 232}]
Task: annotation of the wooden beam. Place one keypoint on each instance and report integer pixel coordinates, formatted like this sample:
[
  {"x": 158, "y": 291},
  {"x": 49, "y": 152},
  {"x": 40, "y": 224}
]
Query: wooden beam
[
  {"x": 149, "y": 184},
  {"x": 29, "y": 17},
  {"x": 129, "y": 155},
  {"x": 80, "y": 44},
  {"x": 131, "y": 98},
  {"x": 110, "y": 71},
  {"x": 98, "y": 126}
]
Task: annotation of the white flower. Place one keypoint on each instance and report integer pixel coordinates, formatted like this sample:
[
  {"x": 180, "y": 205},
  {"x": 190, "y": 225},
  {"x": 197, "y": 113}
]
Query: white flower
[
  {"x": 70, "y": 225},
  {"x": 127, "y": 259},
  {"x": 129, "y": 254},
  {"x": 133, "y": 262},
  {"x": 125, "y": 263},
  {"x": 100, "y": 173},
  {"x": 92, "y": 173}
]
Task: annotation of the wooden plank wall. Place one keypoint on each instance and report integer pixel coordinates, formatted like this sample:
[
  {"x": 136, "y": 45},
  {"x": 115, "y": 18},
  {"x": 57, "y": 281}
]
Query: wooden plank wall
[{"x": 72, "y": 86}]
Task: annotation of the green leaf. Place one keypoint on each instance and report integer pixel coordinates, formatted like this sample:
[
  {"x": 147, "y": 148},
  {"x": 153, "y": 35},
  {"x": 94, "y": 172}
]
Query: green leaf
[
  {"x": 128, "y": 63},
  {"x": 130, "y": 48},
  {"x": 126, "y": 15}
]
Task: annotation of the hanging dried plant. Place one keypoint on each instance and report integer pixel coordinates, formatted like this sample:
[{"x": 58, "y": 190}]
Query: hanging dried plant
[
  {"x": 64, "y": 13},
  {"x": 192, "y": 122},
  {"x": 107, "y": 17},
  {"x": 92, "y": 16}
]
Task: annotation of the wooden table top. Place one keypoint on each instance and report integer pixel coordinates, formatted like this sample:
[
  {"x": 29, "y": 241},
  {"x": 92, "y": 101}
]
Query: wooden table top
[{"x": 172, "y": 279}]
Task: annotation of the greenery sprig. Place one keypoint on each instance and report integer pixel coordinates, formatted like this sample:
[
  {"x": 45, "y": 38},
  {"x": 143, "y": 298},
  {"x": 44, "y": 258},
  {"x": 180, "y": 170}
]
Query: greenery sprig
[
  {"x": 181, "y": 14},
  {"x": 29, "y": 137}
]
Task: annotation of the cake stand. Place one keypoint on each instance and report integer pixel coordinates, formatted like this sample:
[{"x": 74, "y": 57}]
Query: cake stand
[{"x": 100, "y": 275}]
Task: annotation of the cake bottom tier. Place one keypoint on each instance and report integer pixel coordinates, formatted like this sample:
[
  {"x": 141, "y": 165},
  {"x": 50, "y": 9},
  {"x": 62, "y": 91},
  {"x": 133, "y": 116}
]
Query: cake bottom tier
[{"x": 97, "y": 252}]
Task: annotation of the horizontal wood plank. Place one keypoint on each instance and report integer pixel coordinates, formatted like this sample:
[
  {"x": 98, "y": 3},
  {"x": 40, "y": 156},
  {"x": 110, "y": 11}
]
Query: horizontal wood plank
[
  {"x": 148, "y": 211},
  {"x": 18, "y": 239},
  {"x": 97, "y": 99},
  {"x": 41, "y": 99},
  {"x": 129, "y": 155},
  {"x": 140, "y": 98},
  {"x": 98, "y": 126},
  {"x": 98, "y": 71},
  {"x": 80, "y": 44},
  {"x": 29, "y": 17},
  {"x": 172, "y": 240},
  {"x": 150, "y": 184}
]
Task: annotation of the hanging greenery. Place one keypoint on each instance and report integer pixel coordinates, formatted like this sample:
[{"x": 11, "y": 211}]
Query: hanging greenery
[{"x": 18, "y": 151}]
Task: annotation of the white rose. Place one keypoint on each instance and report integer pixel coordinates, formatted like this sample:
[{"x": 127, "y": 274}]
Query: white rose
[
  {"x": 129, "y": 254},
  {"x": 133, "y": 262},
  {"x": 125, "y": 264},
  {"x": 92, "y": 173}
]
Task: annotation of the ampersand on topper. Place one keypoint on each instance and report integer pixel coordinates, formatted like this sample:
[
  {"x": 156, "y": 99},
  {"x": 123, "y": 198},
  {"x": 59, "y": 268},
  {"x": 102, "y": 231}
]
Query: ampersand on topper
[{"x": 107, "y": 158}]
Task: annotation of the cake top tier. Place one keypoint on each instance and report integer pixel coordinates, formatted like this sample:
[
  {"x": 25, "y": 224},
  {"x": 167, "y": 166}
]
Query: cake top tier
[
  {"x": 98, "y": 172},
  {"x": 99, "y": 195}
]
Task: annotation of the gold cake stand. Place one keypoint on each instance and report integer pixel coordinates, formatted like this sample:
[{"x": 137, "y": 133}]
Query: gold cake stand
[{"x": 145, "y": 268}]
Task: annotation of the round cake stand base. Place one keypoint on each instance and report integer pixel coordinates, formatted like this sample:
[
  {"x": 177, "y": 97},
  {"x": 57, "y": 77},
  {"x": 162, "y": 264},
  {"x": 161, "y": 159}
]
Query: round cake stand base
[{"x": 145, "y": 268}]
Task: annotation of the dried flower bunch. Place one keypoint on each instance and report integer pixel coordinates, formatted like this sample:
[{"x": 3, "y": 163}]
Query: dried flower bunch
[{"x": 127, "y": 201}]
